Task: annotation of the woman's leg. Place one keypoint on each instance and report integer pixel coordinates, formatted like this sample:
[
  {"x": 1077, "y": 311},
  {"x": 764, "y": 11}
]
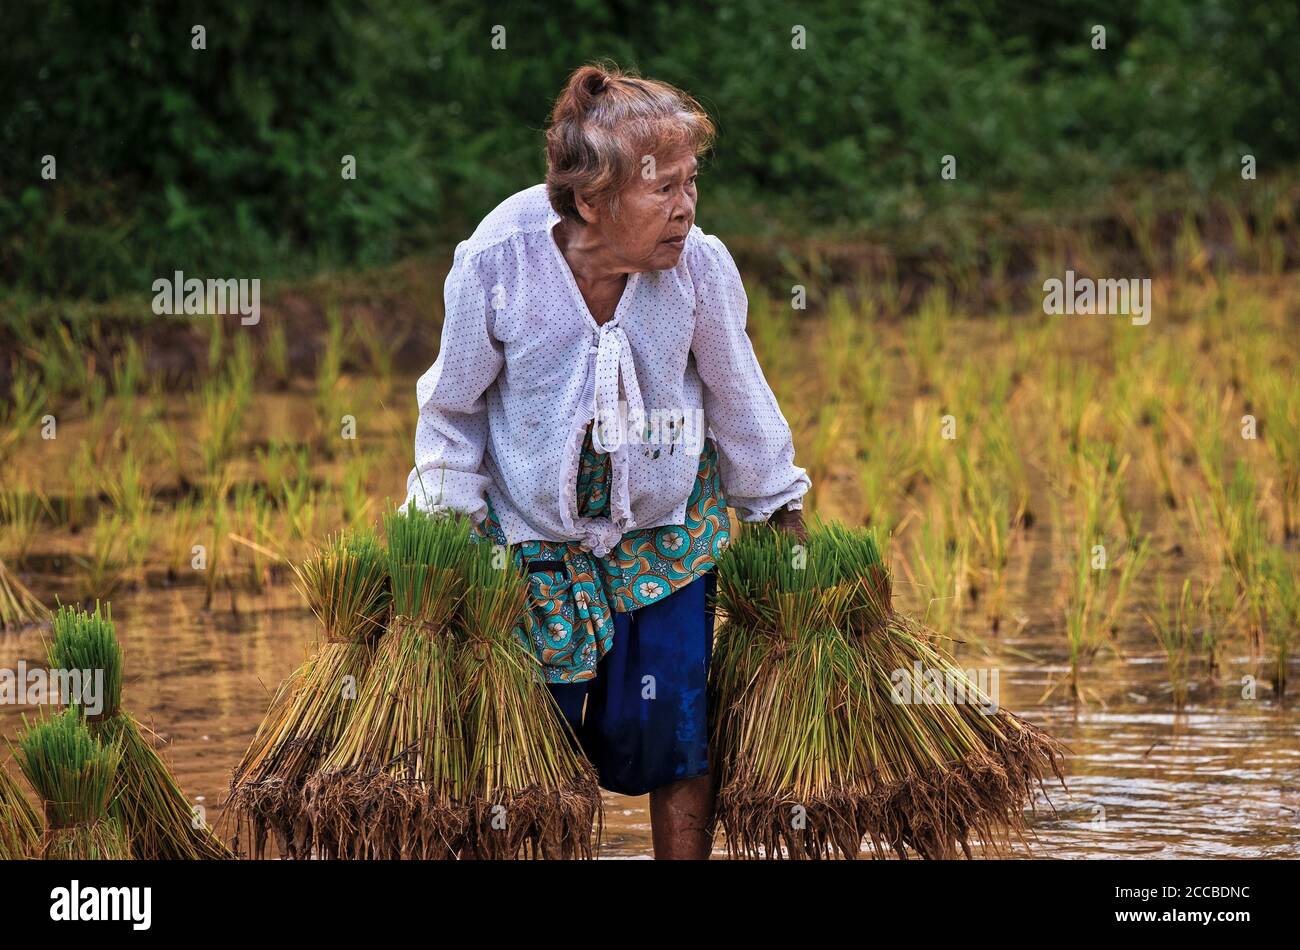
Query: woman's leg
[
  {"x": 681, "y": 819},
  {"x": 681, "y": 814},
  {"x": 646, "y": 723}
]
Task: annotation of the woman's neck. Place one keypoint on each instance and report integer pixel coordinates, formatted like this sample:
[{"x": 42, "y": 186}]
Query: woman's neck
[
  {"x": 588, "y": 255},
  {"x": 600, "y": 279}
]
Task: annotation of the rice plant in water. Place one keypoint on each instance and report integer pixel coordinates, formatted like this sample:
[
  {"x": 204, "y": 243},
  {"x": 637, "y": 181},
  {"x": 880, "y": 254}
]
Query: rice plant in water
[
  {"x": 21, "y": 509},
  {"x": 20, "y": 411},
  {"x": 886, "y": 466},
  {"x": 1230, "y": 515},
  {"x": 346, "y": 586},
  {"x": 1103, "y": 567},
  {"x": 104, "y": 569},
  {"x": 528, "y": 791},
  {"x": 158, "y": 819},
  {"x": 182, "y": 537},
  {"x": 299, "y": 501},
  {"x": 939, "y": 565},
  {"x": 127, "y": 372},
  {"x": 826, "y": 442},
  {"x": 279, "y": 461},
  {"x": 928, "y": 332},
  {"x": 20, "y": 826},
  {"x": 128, "y": 489},
  {"x": 222, "y": 403},
  {"x": 354, "y": 500},
  {"x": 823, "y": 737},
  {"x": 331, "y": 394},
  {"x": 252, "y": 520},
  {"x": 1283, "y": 614},
  {"x": 82, "y": 498},
  {"x": 1281, "y": 403},
  {"x": 1153, "y": 417},
  {"x": 212, "y": 557},
  {"x": 1174, "y": 628},
  {"x": 392, "y": 785},
  {"x": 19, "y": 607},
  {"x": 76, "y": 776},
  {"x": 168, "y": 447},
  {"x": 987, "y": 503}
]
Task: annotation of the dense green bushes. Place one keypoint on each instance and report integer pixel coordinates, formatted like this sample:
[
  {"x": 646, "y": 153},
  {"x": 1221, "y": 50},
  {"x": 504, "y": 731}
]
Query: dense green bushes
[{"x": 227, "y": 160}]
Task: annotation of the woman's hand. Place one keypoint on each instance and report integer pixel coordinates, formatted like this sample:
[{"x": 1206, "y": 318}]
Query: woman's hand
[{"x": 787, "y": 520}]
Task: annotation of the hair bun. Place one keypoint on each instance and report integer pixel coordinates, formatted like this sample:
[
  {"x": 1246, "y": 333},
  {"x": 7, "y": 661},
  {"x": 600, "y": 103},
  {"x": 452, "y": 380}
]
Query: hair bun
[{"x": 603, "y": 122}]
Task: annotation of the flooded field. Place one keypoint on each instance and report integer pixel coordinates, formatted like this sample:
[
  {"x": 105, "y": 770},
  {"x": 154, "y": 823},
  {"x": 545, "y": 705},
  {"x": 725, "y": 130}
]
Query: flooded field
[
  {"x": 997, "y": 454},
  {"x": 1219, "y": 779}
]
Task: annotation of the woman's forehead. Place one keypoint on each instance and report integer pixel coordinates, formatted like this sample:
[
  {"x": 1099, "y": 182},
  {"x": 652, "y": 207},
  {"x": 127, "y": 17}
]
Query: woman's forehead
[{"x": 676, "y": 162}]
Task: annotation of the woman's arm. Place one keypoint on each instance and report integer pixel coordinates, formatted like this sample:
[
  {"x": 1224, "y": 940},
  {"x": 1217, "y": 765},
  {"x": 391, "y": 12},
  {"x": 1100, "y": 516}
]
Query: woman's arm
[
  {"x": 451, "y": 434},
  {"x": 755, "y": 447}
]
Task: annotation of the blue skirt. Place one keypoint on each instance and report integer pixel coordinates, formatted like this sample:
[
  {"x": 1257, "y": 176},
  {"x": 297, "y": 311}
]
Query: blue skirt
[{"x": 646, "y": 718}]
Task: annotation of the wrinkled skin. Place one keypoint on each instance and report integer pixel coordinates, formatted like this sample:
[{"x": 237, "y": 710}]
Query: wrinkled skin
[{"x": 648, "y": 232}]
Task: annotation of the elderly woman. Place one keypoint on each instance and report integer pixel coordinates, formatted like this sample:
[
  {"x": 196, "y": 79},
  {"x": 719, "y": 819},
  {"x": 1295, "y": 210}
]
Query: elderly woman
[{"x": 596, "y": 407}]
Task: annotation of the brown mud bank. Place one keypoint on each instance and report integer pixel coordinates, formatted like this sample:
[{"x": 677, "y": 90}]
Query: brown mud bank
[{"x": 988, "y": 260}]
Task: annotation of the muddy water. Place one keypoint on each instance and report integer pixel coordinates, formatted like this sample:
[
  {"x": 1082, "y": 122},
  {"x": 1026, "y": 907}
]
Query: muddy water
[{"x": 1221, "y": 779}]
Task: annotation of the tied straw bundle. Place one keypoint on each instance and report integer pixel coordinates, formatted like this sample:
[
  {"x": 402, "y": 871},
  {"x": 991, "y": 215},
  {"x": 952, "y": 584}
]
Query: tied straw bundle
[
  {"x": 20, "y": 826},
  {"x": 392, "y": 785},
  {"x": 76, "y": 776},
  {"x": 154, "y": 813},
  {"x": 529, "y": 792},
  {"x": 346, "y": 586},
  {"x": 808, "y": 721}
]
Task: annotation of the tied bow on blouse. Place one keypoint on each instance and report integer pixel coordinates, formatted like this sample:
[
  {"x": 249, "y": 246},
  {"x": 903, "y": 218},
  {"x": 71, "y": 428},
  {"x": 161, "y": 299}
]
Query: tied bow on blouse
[{"x": 614, "y": 369}]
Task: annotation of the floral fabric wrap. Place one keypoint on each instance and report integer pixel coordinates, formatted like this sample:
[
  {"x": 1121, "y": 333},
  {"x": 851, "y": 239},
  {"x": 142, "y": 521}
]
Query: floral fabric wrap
[{"x": 572, "y": 594}]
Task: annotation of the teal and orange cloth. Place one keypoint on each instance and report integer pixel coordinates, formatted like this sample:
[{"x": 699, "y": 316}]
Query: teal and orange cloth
[{"x": 573, "y": 595}]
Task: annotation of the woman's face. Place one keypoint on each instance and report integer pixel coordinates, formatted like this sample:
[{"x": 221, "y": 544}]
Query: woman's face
[{"x": 654, "y": 215}]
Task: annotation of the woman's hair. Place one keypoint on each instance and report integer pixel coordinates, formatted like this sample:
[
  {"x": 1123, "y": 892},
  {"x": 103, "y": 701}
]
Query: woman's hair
[{"x": 604, "y": 123}]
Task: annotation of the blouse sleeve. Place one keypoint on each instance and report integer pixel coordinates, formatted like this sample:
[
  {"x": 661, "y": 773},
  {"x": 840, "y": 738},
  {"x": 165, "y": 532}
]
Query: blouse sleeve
[
  {"x": 451, "y": 434},
  {"x": 755, "y": 446}
]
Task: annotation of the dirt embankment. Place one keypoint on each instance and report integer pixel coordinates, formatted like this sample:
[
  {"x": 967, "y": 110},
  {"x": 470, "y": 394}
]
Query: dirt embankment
[{"x": 991, "y": 260}]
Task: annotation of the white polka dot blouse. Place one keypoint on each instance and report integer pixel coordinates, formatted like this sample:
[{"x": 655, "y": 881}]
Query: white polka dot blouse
[{"x": 524, "y": 369}]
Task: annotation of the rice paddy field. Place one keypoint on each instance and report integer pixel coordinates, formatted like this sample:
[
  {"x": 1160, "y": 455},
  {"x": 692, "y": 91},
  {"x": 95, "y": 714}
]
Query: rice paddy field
[{"x": 1100, "y": 517}]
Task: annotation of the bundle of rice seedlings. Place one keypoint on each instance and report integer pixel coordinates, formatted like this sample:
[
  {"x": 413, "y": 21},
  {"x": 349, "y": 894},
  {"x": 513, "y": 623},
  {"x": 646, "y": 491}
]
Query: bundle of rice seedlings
[
  {"x": 20, "y": 826},
  {"x": 529, "y": 792},
  {"x": 76, "y": 776},
  {"x": 391, "y": 786},
  {"x": 18, "y": 606},
  {"x": 828, "y": 728},
  {"x": 157, "y": 818},
  {"x": 346, "y": 586}
]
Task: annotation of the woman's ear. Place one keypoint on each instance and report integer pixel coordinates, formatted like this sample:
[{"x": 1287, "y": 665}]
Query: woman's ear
[{"x": 590, "y": 213}]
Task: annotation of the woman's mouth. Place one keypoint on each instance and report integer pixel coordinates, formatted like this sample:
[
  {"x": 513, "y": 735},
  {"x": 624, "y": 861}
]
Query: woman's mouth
[{"x": 677, "y": 242}]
